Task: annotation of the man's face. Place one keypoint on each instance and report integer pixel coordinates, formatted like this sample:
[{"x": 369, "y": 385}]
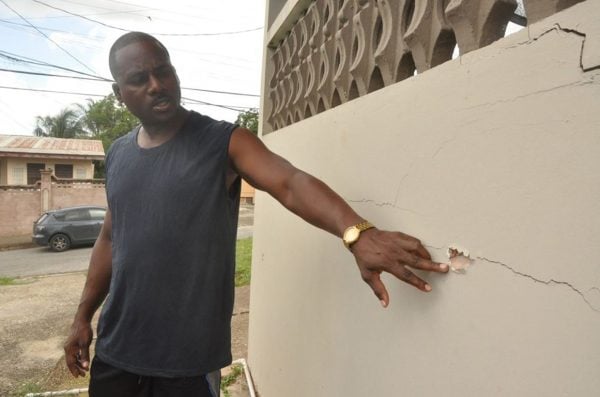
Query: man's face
[{"x": 147, "y": 82}]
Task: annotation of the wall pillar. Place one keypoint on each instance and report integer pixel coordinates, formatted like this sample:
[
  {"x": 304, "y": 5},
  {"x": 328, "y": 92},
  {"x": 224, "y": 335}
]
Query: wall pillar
[{"x": 46, "y": 190}]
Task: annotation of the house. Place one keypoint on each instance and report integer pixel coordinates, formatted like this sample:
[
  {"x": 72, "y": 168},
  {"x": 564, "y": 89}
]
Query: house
[
  {"x": 496, "y": 151},
  {"x": 23, "y": 157}
]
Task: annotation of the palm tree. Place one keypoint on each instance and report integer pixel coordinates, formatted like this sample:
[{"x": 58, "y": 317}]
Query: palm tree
[{"x": 66, "y": 124}]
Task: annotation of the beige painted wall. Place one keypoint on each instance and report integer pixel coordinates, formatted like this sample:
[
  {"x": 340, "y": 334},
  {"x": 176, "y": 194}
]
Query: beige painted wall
[
  {"x": 11, "y": 177},
  {"x": 499, "y": 152},
  {"x": 3, "y": 179},
  {"x": 86, "y": 166}
]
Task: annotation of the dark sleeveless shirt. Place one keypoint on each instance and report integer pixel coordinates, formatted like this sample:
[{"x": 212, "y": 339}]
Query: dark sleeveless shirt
[{"x": 174, "y": 223}]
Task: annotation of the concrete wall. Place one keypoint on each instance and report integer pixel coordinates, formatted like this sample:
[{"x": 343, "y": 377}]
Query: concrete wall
[
  {"x": 78, "y": 195},
  {"x": 19, "y": 208},
  {"x": 499, "y": 152}
]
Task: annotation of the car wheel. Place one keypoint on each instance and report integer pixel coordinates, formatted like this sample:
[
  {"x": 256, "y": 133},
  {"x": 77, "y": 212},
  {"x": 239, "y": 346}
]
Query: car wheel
[{"x": 60, "y": 242}]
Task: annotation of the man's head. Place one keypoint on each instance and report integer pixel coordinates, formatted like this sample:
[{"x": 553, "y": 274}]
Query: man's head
[
  {"x": 145, "y": 80},
  {"x": 125, "y": 40}
]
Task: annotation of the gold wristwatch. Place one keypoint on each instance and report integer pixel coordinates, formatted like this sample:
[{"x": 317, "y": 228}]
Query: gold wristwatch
[{"x": 352, "y": 234}]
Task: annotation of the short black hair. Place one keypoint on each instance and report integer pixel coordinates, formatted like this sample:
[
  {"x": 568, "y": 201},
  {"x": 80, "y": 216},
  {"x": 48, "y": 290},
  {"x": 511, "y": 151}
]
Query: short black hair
[{"x": 125, "y": 40}]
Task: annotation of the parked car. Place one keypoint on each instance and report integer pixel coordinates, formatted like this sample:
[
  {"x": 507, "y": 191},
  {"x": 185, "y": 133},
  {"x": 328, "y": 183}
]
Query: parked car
[{"x": 61, "y": 229}]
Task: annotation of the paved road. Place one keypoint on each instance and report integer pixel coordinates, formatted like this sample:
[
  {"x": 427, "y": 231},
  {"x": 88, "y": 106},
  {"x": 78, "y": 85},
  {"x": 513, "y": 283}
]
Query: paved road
[{"x": 41, "y": 260}]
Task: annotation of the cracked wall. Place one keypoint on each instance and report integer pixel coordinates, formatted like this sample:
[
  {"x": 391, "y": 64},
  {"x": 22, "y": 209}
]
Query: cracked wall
[{"x": 497, "y": 151}]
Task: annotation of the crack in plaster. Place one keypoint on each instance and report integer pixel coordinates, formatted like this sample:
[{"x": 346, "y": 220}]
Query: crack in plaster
[
  {"x": 399, "y": 189},
  {"x": 535, "y": 279},
  {"x": 383, "y": 204},
  {"x": 557, "y": 28},
  {"x": 401, "y": 182},
  {"x": 546, "y": 282},
  {"x": 443, "y": 145},
  {"x": 511, "y": 99}
]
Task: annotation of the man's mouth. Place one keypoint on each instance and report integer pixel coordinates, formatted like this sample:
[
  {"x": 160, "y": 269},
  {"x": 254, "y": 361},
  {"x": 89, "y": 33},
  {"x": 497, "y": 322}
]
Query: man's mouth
[{"x": 161, "y": 104}]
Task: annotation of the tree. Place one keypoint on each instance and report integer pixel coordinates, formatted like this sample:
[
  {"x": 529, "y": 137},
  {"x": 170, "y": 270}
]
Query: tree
[
  {"x": 107, "y": 120},
  {"x": 249, "y": 120},
  {"x": 66, "y": 124},
  {"x": 102, "y": 119}
]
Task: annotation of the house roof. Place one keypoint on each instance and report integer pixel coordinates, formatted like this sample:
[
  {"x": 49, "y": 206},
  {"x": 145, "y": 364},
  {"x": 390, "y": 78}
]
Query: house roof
[{"x": 33, "y": 146}]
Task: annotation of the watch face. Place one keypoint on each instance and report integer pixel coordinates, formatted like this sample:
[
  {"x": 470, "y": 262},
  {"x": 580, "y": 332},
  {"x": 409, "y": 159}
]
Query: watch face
[{"x": 351, "y": 235}]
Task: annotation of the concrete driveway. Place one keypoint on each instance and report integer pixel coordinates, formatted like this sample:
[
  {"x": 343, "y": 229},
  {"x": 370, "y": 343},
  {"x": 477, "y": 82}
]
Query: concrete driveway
[{"x": 41, "y": 260}]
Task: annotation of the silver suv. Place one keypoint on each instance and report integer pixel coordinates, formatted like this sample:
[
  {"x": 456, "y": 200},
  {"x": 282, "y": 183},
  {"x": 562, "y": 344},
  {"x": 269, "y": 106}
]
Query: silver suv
[{"x": 61, "y": 229}]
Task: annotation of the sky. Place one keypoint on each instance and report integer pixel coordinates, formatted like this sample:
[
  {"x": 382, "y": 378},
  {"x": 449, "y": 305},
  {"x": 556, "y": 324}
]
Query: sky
[{"x": 214, "y": 45}]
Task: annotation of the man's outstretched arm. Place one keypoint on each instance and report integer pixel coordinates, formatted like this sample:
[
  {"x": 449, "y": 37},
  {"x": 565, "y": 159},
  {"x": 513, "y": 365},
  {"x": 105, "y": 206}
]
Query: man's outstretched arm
[
  {"x": 77, "y": 346},
  {"x": 376, "y": 251}
]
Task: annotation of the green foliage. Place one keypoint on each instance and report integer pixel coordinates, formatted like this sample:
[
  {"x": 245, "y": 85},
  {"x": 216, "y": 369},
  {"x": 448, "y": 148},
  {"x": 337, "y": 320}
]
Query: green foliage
[
  {"x": 103, "y": 119},
  {"x": 7, "y": 281},
  {"x": 249, "y": 120},
  {"x": 243, "y": 260},
  {"x": 26, "y": 388},
  {"x": 66, "y": 124},
  {"x": 106, "y": 120},
  {"x": 229, "y": 379}
]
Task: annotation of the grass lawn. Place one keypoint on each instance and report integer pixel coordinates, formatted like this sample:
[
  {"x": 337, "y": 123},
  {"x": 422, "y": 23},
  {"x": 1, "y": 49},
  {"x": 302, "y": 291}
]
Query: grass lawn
[
  {"x": 243, "y": 258},
  {"x": 11, "y": 281}
]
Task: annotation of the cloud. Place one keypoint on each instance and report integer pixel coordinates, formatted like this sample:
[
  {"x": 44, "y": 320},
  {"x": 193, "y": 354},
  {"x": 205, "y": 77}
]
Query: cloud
[{"x": 225, "y": 62}]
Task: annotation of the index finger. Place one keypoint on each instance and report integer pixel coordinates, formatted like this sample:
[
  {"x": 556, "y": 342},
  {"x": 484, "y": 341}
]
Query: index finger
[{"x": 428, "y": 265}]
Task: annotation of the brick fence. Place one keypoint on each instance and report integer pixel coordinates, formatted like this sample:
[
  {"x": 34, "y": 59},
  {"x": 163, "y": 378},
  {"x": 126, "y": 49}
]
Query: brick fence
[{"x": 20, "y": 206}]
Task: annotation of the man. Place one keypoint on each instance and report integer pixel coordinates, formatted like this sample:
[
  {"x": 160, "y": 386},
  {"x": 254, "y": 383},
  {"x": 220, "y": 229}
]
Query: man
[{"x": 166, "y": 250}]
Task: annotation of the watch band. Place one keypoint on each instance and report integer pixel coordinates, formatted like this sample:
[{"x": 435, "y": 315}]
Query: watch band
[{"x": 352, "y": 233}]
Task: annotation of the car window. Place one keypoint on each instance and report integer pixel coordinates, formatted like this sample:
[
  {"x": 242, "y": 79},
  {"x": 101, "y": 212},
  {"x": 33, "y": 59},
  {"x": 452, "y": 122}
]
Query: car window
[
  {"x": 42, "y": 218},
  {"x": 97, "y": 214},
  {"x": 77, "y": 215}
]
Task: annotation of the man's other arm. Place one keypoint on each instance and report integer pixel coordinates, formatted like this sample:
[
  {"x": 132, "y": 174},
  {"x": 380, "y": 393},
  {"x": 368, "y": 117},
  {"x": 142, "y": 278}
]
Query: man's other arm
[
  {"x": 375, "y": 252},
  {"x": 77, "y": 346}
]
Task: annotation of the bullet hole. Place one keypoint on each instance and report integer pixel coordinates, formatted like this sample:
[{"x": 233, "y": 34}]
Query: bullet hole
[{"x": 459, "y": 259}]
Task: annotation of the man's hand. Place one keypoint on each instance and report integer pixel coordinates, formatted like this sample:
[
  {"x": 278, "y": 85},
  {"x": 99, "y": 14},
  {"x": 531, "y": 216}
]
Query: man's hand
[
  {"x": 379, "y": 251},
  {"x": 77, "y": 348}
]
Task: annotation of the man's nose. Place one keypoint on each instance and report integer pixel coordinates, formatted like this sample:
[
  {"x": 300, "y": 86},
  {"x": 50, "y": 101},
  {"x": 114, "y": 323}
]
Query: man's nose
[{"x": 154, "y": 84}]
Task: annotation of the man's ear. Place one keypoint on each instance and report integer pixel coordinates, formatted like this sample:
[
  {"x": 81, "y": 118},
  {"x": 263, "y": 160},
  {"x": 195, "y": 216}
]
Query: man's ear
[{"x": 117, "y": 92}]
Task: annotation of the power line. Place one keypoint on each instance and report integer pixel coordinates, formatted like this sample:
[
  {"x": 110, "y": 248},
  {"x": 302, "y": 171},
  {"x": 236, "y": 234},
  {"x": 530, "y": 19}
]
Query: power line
[
  {"x": 52, "y": 75},
  {"x": 197, "y": 101},
  {"x": 22, "y": 59},
  {"x": 171, "y": 49},
  {"x": 220, "y": 92},
  {"x": 50, "y": 91},
  {"x": 112, "y": 10},
  {"x": 156, "y": 34},
  {"x": 234, "y": 108},
  {"x": 102, "y": 79},
  {"x": 8, "y": 21},
  {"x": 46, "y": 36}
]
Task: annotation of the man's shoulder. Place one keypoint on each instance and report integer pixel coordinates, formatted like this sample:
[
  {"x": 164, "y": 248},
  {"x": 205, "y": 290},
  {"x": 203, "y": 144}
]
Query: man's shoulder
[
  {"x": 207, "y": 123},
  {"x": 121, "y": 141}
]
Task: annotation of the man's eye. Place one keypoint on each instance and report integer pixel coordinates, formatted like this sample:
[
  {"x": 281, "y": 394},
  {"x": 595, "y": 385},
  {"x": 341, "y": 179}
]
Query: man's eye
[{"x": 137, "y": 79}]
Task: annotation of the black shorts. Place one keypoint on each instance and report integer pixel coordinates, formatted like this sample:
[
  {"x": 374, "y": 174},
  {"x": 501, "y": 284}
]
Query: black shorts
[{"x": 108, "y": 381}]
